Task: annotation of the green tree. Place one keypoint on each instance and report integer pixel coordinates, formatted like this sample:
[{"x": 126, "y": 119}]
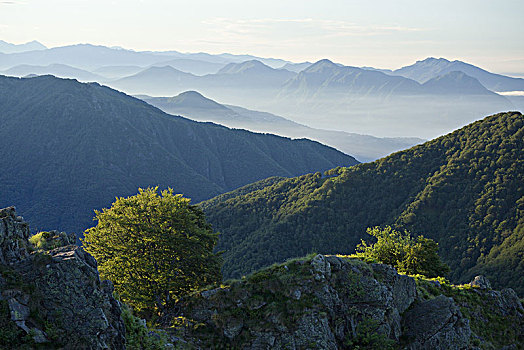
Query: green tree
[
  {"x": 422, "y": 259},
  {"x": 154, "y": 248},
  {"x": 410, "y": 255}
]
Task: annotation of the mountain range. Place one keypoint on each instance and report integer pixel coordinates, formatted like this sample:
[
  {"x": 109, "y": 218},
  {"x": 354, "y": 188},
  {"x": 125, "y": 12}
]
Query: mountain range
[
  {"x": 430, "y": 68},
  {"x": 327, "y": 94},
  {"x": 372, "y": 102},
  {"x": 6, "y": 47},
  {"x": 87, "y": 56},
  {"x": 249, "y": 83},
  {"x": 68, "y": 148},
  {"x": 56, "y": 69},
  {"x": 193, "y": 105},
  {"x": 465, "y": 190},
  {"x": 425, "y": 100}
]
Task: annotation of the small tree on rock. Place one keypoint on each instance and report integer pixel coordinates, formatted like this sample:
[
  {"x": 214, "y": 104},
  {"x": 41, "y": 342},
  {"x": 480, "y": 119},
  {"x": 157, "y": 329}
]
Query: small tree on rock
[
  {"x": 154, "y": 248},
  {"x": 409, "y": 255}
]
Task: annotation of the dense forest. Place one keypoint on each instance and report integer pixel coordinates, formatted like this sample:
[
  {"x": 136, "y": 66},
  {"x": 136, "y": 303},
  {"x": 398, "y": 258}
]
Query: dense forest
[{"x": 465, "y": 190}]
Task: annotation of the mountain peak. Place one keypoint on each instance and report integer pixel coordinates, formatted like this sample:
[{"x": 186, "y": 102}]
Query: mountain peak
[
  {"x": 456, "y": 82},
  {"x": 194, "y": 99},
  {"x": 321, "y": 65},
  {"x": 434, "y": 59},
  {"x": 191, "y": 94},
  {"x": 161, "y": 71},
  {"x": 251, "y": 65}
]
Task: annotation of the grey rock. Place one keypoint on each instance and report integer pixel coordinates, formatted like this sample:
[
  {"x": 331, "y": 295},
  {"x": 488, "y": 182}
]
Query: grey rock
[
  {"x": 233, "y": 328},
  {"x": 403, "y": 288},
  {"x": 321, "y": 266},
  {"x": 19, "y": 312},
  {"x": 39, "y": 337},
  {"x": 262, "y": 341},
  {"x": 510, "y": 302},
  {"x": 314, "y": 329},
  {"x": 480, "y": 282},
  {"x": 327, "y": 303},
  {"x": 13, "y": 237},
  {"x": 68, "y": 293},
  {"x": 505, "y": 301},
  {"x": 335, "y": 262},
  {"x": 436, "y": 324}
]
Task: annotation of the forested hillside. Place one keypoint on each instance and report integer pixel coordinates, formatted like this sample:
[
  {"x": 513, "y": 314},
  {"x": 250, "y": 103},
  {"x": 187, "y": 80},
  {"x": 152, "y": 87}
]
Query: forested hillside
[
  {"x": 465, "y": 190},
  {"x": 68, "y": 148}
]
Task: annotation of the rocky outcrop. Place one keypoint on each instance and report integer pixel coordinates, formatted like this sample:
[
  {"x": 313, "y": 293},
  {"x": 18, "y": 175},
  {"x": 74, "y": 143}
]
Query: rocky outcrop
[
  {"x": 436, "y": 324},
  {"x": 480, "y": 282},
  {"x": 326, "y": 302},
  {"x": 56, "y": 296},
  {"x": 330, "y": 302},
  {"x": 14, "y": 233}
]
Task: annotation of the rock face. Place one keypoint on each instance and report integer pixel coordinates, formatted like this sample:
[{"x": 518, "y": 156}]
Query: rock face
[
  {"x": 436, "y": 324},
  {"x": 326, "y": 302},
  {"x": 56, "y": 296},
  {"x": 329, "y": 302},
  {"x": 480, "y": 282},
  {"x": 14, "y": 233}
]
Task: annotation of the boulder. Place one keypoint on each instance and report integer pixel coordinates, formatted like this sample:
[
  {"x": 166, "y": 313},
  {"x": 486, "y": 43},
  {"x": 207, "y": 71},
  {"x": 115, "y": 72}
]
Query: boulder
[
  {"x": 436, "y": 324},
  {"x": 480, "y": 282}
]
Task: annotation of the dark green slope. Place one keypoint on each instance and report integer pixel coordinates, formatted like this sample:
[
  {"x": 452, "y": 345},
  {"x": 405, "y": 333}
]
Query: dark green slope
[
  {"x": 68, "y": 148},
  {"x": 465, "y": 190}
]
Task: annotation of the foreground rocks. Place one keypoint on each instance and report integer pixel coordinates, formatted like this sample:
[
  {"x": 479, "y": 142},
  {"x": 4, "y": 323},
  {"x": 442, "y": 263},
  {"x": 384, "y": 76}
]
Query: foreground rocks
[
  {"x": 51, "y": 297},
  {"x": 329, "y": 302},
  {"x": 436, "y": 324},
  {"x": 54, "y": 297}
]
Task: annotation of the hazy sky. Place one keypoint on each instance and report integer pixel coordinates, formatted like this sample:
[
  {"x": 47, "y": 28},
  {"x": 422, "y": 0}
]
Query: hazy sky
[{"x": 385, "y": 33}]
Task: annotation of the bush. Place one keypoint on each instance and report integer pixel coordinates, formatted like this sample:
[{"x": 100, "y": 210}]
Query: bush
[
  {"x": 48, "y": 240},
  {"x": 409, "y": 255}
]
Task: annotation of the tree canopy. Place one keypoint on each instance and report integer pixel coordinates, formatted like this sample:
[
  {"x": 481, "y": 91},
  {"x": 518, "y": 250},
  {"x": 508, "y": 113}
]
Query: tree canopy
[{"x": 154, "y": 248}]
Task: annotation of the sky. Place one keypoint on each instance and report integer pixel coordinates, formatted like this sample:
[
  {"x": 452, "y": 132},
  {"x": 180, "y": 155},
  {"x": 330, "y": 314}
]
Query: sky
[{"x": 378, "y": 33}]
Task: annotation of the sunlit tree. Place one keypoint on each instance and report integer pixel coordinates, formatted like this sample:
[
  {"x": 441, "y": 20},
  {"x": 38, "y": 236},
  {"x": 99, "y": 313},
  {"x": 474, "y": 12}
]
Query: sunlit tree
[{"x": 154, "y": 248}]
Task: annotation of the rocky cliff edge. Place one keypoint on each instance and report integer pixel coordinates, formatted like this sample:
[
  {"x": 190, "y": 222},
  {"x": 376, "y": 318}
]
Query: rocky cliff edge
[
  {"x": 333, "y": 302},
  {"x": 53, "y": 298}
]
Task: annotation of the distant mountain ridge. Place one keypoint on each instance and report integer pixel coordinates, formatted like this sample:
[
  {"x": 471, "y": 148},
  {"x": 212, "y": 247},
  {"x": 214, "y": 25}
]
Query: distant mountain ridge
[
  {"x": 327, "y": 95},
  {"x": 456, "y": 82},
  {"x": 372, "y": 102},
  {"x": 323, "y": 95},
  {"x": 194, "y": 105},
  {"x": 6, "y": 47},
  {"x": 429, "y": 68},
  {"x": 88, "y": 56},
  {"x": 325, "y": 77},
  {"x": 68, "y": 148},
  {"x": 248, "y": 82},
  {"x": 58, "y": 70}
]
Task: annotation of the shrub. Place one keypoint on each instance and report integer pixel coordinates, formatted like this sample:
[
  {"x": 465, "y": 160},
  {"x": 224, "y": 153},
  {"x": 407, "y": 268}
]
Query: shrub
[{"x": 410, "y": 255}]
